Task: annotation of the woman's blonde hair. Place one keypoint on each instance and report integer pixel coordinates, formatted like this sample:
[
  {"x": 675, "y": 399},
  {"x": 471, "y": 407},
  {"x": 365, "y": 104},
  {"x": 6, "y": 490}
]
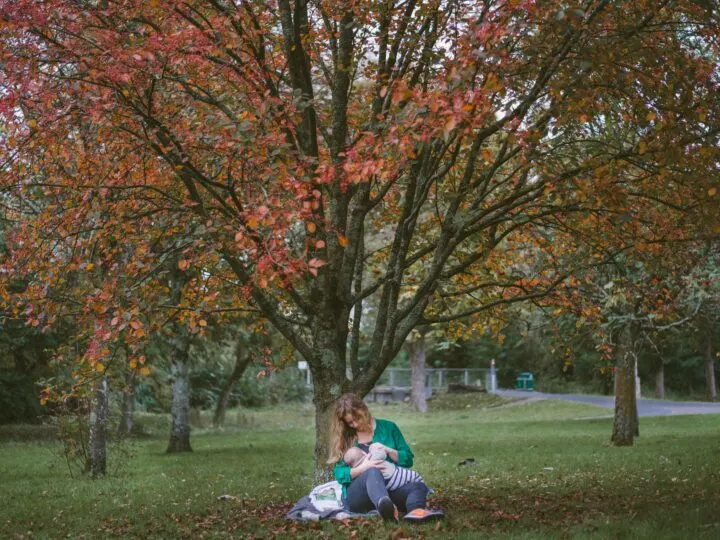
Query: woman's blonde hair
[{"x": 342, "y": 436}]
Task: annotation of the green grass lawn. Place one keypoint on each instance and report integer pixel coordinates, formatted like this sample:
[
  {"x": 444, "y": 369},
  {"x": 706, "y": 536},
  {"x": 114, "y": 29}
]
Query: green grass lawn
[{"x": 542, "y": 470}]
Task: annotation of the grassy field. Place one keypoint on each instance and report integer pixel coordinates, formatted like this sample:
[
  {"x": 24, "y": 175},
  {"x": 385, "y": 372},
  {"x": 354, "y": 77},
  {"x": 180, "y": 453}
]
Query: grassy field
[{"x": 542, "y": 470}]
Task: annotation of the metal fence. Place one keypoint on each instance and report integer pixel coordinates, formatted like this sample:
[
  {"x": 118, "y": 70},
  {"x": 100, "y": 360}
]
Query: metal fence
[
  {"x": 435, "y": 379},
  {"x": 439, "y": 377}
]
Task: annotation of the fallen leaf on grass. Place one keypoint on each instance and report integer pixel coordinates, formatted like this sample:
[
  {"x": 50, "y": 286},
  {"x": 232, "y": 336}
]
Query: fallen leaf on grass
[
  {"x": 504, "y": 515},
  {"x": 400, "y": 534}
]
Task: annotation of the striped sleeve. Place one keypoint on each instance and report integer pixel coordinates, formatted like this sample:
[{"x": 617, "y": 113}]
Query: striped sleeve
[{"x": 403, "y": 476}]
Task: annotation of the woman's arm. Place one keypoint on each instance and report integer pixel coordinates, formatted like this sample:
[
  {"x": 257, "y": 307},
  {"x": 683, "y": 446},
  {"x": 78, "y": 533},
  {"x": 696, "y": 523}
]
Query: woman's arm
[
  {"x": 364, "y": 466},
  {"x": 402, "y": 448},
  {"x": 397, "y": 449},
  {"x": 357, "y": 471},
  {"x": 343, "y": 473}
]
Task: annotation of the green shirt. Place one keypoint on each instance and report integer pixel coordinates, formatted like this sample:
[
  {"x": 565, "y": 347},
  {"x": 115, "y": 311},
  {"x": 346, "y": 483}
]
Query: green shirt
[{"x": 387, "y": 433}]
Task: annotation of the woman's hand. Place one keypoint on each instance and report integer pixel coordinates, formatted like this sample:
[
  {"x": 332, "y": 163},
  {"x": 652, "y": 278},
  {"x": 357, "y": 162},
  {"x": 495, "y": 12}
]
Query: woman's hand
[
  {"x": 384, "y": 467},
  {"x": 365, "y": 465},
  {"x": 372, "y": 464}
]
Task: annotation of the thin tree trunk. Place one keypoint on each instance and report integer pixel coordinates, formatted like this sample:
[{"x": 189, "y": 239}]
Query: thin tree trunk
[
  {"x": 180, "y": 409},
  {"x": 636, "y": 419},
  {"x": 128, "y": 405},
  {"x": 417, "y": 369},
  {"x": 98, "y": 428},
  {"x": 357, "y": 309},
  {"x": 634, "y": 410},
  {"x": 242, "y": 360},
  {"x": 710, "y": 366},
  {"x": 626, "y": 424},
  {"x": 660, "y": 380}
]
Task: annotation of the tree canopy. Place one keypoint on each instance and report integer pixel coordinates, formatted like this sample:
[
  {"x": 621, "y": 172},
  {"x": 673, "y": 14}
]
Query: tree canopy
[{"x": 300, "y": 158}]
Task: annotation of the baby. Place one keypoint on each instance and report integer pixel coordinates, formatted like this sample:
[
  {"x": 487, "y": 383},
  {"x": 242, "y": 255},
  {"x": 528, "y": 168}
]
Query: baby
[{"x": 395, "y": 477}]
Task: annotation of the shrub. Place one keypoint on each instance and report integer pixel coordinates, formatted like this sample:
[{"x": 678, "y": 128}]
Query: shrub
[
  {"x": 19, "y": 399},
  {"x": 72, "y": 428},
  {"x": 286, "y": 385}
]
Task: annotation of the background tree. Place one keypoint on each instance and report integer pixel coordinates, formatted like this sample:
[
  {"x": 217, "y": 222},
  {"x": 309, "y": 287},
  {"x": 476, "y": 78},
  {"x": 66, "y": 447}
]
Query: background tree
[
  {"x": 704, "y": 290},
  {"x": 416, "y": 352}
]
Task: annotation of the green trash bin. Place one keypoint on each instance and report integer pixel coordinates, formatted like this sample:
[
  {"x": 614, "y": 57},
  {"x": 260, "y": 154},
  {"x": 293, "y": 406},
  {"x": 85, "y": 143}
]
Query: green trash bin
[{"x": 525, "y": 381}]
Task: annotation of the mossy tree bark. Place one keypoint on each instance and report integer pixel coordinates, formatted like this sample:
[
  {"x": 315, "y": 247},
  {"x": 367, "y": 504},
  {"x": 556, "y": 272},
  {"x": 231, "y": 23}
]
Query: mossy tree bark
[
  {"x": 710, "y": 363},
  {"x": 329, "y": 381},
  {"x": 626, "y": 425},
  {"x": 324, "y": 403},
  {"x": 180, "y": 408},
  {"x": 97, "y": 465},
  {"x": 416, "y": 349},
  {"x": 179, "y": 343}
]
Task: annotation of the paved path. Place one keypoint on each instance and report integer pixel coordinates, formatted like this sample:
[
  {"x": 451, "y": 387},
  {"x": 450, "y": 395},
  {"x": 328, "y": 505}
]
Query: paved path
[{"x": 646, "y": 407}]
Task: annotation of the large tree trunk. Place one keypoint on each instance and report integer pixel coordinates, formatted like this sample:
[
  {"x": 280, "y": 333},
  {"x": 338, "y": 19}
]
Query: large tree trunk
[
  {"x": 324, "y": 402},
  {"x": 660, "y": 379},
  {"x": 128, "y": 405},
  {"x": 242, "y": 360},
  {"x": 180, "y": 409},
  {"x": 98, "y": 428},
  {"x": 329, "y": 380},
  {"x": 710, "y": 366},
  {"x": 416, "y": 350},
  {"x": 626, "y": 423}
]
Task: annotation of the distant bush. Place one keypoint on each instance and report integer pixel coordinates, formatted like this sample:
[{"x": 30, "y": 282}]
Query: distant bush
[
  {"x": 279, "y": 387},
  {"x": 19, "y": 402},
  {"x": 147, "y": 399},
  {"x": 554, "y": 385},
  {"x": 206, "y": 383},
  {"x": 28, "y": 433},
  {"x": 283, "y": 386}
]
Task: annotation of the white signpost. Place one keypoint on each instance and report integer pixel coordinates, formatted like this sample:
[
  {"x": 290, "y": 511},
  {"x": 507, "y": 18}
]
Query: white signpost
[{"x": 303, "y": 366}]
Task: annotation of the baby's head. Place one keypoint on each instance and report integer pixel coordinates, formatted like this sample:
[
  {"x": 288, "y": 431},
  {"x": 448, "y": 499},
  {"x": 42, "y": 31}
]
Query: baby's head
[{"x": 354, "y": 456}]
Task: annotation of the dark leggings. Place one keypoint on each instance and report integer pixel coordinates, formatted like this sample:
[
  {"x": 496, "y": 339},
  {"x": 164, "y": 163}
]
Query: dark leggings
[{"x": 368, "y": 488}]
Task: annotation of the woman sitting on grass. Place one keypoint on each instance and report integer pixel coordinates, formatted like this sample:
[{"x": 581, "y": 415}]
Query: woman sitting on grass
[{"x": 364, "y": 487}]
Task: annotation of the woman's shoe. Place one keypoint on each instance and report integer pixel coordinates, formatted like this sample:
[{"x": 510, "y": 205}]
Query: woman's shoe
[
  {"x": 420, "y": 515},
  {"x": 387, "y": 510}
]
